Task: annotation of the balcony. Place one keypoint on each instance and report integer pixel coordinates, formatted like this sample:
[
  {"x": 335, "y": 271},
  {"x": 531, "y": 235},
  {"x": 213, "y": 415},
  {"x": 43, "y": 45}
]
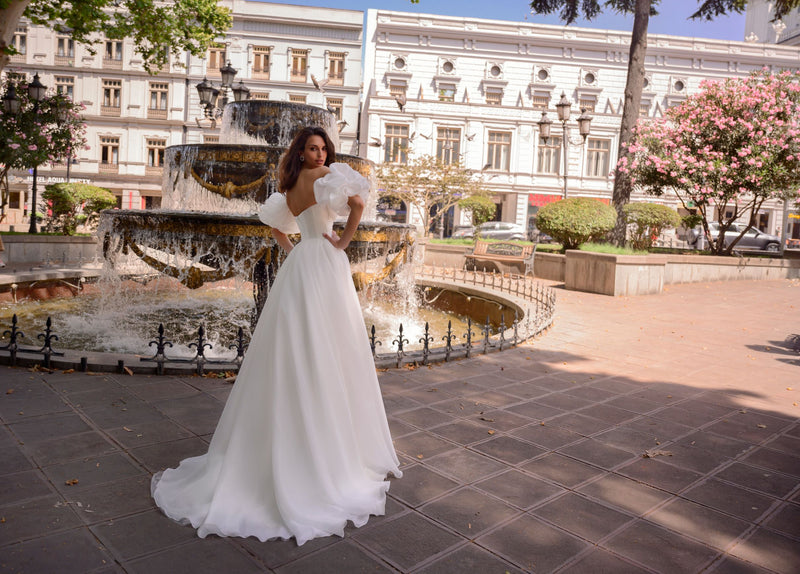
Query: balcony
[
  {"x": 156, "y": 114},
  {"x": 112, "y": 64},
  {"x": 110, "y": 111},
  {"x": 108, "y": 168}
]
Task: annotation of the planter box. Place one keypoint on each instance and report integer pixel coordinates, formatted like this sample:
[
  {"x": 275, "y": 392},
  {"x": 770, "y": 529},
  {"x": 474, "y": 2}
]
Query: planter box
[
  {"x": 49, "y": 249},
  {"x": 443, "y": 255}
]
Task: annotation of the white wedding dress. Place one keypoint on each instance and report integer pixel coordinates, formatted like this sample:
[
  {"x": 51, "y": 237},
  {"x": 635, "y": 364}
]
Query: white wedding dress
[{"x": 303, "y": 444}]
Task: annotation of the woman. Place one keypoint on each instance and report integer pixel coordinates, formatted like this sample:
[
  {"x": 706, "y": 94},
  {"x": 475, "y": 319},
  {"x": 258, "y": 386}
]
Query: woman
[{"x": 303, "y": 444}]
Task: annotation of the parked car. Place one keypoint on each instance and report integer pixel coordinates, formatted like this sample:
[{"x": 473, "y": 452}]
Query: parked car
[
  {"x": 463, "y": 232},
  {"x": 753, "y": 239},
  {"x": 501, "y": 230}
]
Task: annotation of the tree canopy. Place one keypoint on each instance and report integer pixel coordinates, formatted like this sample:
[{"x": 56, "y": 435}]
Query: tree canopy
[
  {"x": 73, "y": 203},
  {"x": 724, "y": 151},
  {"x": 155, "y": 27}
]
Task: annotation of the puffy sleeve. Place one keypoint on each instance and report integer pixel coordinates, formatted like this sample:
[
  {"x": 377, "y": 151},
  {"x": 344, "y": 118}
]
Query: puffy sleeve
[
  {"x": 338, "y": 185},
  {"x": 275, "y": 213}
]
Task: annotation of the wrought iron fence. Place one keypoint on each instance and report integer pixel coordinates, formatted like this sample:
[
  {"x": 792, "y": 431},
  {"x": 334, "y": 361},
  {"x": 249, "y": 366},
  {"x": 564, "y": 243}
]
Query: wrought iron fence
[{"x": 536, "y": 301}]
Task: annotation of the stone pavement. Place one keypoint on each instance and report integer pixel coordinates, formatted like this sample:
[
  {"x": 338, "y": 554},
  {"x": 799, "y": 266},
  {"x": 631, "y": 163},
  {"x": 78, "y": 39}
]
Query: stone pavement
[{"x": 530, "y": 460}]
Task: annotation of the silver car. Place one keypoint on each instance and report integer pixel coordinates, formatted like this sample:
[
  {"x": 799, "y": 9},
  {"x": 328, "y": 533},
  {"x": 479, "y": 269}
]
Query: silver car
[{"x": 753, "y": 239}]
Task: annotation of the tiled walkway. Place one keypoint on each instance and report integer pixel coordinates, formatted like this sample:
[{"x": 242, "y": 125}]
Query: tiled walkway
[{"x": 526, "y": 461}]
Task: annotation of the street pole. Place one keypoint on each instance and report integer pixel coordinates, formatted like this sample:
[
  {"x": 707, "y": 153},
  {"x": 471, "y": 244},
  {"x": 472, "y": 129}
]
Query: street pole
[
  {"x": 564, "y": 143},
  {"x": 32, "y": 228}
]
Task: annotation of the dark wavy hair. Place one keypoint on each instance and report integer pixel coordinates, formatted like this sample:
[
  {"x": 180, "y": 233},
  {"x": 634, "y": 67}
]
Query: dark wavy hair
[{"x": 290, "y": 162}]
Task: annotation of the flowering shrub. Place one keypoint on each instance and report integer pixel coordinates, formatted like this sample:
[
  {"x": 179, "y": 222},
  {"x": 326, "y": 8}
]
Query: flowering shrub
[
  {"x": 728, "y": 148},
  {"x": 576, "y": 220},
  {"x": 647, "y": 221}
]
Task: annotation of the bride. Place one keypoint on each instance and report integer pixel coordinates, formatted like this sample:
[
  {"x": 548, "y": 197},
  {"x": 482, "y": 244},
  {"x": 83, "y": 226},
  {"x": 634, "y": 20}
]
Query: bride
[{"x": 303, "y": 444}]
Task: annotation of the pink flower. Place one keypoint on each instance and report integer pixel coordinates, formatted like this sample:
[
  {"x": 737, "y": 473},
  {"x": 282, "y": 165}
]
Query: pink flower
[
  {"x": 13, "y": 145},
  {"x": 32, "y": 147}
]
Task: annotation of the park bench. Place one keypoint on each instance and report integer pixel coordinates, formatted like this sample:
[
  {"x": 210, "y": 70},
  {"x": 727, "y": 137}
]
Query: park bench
[{"x": 502, "y": 256}]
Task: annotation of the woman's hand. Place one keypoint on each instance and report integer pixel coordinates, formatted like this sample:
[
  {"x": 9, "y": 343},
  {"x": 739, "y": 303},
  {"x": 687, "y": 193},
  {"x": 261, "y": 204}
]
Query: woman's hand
[
  {"x": 283, "y": 240},
  {"x": 356, "y": 209},
  {"x": 336, "y": 241}
]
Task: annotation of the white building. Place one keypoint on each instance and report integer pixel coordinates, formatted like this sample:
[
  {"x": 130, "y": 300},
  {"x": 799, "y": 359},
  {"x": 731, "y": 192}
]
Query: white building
[
  {"x": 758, "y": 26},
  {"x": 132, "y": 116},
  {"x": 477, "y": 88}
]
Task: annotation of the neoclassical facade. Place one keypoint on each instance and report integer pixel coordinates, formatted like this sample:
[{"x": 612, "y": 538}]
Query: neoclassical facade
[
  {"x": 476, "y": 89},
  {"x": 132, "y": 116}
]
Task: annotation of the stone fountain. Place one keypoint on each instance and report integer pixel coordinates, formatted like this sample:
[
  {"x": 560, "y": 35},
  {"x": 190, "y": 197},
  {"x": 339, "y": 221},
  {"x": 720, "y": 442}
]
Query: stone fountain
[{"x": 207, "y": 229}]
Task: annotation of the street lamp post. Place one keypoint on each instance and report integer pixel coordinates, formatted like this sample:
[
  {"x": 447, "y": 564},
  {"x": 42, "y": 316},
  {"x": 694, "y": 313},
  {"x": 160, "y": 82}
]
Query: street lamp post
[
  {"x": 563, "y": 109},
  {"x": 209, "y": 94}
]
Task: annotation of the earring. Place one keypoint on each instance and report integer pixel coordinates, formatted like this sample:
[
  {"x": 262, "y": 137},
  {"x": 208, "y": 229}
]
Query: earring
[{"x": 302, "y": 158}]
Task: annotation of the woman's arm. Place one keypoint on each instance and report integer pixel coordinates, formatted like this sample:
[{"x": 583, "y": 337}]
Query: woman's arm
[
  {"x": 356, "y": 209},
  {"x": 282, "y": 239}
]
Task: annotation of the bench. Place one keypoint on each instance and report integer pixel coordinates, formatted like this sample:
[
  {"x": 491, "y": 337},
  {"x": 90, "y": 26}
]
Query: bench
[{"x": 505, "y": 257}]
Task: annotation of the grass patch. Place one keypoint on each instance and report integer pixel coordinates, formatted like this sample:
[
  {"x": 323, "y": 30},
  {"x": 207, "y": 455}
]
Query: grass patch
[
  {"x": 610, "y": 249},
  {"x": 50, "y": 234}
]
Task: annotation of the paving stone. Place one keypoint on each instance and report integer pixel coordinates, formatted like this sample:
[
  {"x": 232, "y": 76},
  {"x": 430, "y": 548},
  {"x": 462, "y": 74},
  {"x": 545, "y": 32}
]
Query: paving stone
[
  {"x": 340, "y": 557},
  {"x": 420, "y": 484},
  {"x": 424, "y": 417},
  {"x": 661, "y": 475},
  {"x": 661, "y": 396},
  {"x": 693, "y": 414},
  {"x": 634, "y": 404},
  {"x": 730, "y": 499},
  {"x": 200, "y": 414},
  {"x": 547, "y": 436},
  {"x": 519, "y": 489},
  {"x": 564, "y": 401},
  {"x": 49, "y": 426},
  {"x": 582, "y": 517},
  {"x": 166, "y": 389},
  {"x": 501, "y": 420},
  {"x": 715, "y": 443},
  {"x": 92, "y": 471},
  {"x": 786, "y": 520},
  {"x": 79, "y": 382},
  {"x": 534, "y": 410},
  {"x": 731, "y": 565},
  {"x": 508, "y": 449},
  {"x": 74, "y": 551},
  {"x": 465, "y": 466},
  {"x": 616, "y": 386},
  {"x": 696, "y": 459},
  {"x": 525, "y": 390},
  {"x": 112, "y": 500},
  {"x": 591, "y": 394},
  {"x": 463, "y": 432},
  {"x": 747, "y": 430},
  {"x": 468, "y": 511},
  {"x": 495, "y": 399},
  {"x": 785, "y": 443},
  {"x": 14, "y": 460},
  {"x": 774, "y": 460},
  {"x": 275, "y": 553},
  {"x": 19, "y": 486},
  {"x": 771, "y": 550},
  {"x": 469, "y": 559},
  {"x": 122, "y": 414},
  {"x": 663, "y": 430},
  {"x": 141, "y": 534},
  {"x": 36, "y": 517},
  {"x": 463, "y": 407},
  {"x": 398, "y": 429},
  {"x": 422, "y": 445},
  {"x": 398, "y": 403},
  {"x": 762, "y": 480},
  {"x": 70, "y": 447},
  {"x": 490, "y": 380},
  {"x": 531, "y": 544},
  {"x": 709, "y": 526},
  {"x": 600, "y": 561},
  {"x": 143, "y": 434},
  {"x": 156, "y": 457},
  {"x": 32, "y": 400},
  {"x": 597, "y": 453},
  {"x": 660, "y": 549},
  {"x": 208, "y": 556},
  {"x": 6, "y": 438},
  {"x": 628, "y": 439},
  {"x": 624, "y": 493},
  {"x": 608, "y": 413},
  {"x": 562, "y": 469},
  {"x": 460, "y": 388},
  {"x": 407, "y": 540},
  {"x": 107, "y": 395},
  {"x": 579, "y": 423}
]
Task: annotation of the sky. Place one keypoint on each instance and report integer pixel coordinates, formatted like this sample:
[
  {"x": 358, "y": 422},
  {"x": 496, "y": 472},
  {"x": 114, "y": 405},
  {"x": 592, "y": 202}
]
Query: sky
[{"x": 672, "y": 20}]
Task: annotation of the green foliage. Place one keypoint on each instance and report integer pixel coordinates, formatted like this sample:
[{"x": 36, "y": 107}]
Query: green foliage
[
  {"x": 611, "y": 249},
  {"x": 576, "y": 220},
  {"x": 481, "y": 207},
  {"x": 74, "y": 203},
  {"x": 155, "y": 27},
  {"x": 647, "y": 221}
]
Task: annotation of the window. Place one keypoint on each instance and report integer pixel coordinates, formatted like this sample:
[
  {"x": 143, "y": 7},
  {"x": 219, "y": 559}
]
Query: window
[
  {"x": 336, "y": 68},
  {"x": 447, "y": 92},
  {"x": 259, "y": 95},
  {"x": 494, "y": 96},
  {"x": 597, "y": 157},
  {"x": 299, "y": 65},
  {"x": 113, "y": 55},
  {"x": 65, "y": 49},
  {"x": 155, "y": 155},
  {"x": 498, "y": 153},
  {"x": 396, "y": 144},
  {"x": 210, "y": 139},
  {"x": 589, "y": 103},
  {"x": 158, "y": 100},
  {"x": 540, "y": 101},
  {"x": 216, "y": 57},
  {"x": 261, "y": 62},
  {"x": 335, "y": 107},
  {"x": 644, "y": 108},
  {"x": 448, "y": 144},
  {"x": 20, "y": 44},
  {"x": 112, "y": 90},
  {"x": 297, "y": 98},
  {"x": 109, "y": 153},
  {"x": 66, "y": 85},
  {"x": 548, "y": 158},
  {"x": 397, "y": 89}
]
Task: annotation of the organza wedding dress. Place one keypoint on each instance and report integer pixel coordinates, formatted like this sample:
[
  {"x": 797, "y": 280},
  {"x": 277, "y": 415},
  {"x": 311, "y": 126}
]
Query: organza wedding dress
[{"x": 303, "y": 443}]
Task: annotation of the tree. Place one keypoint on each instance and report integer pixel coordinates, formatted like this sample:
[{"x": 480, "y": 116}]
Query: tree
[
  {"x": 430, "y": 185},
  {"x": 727, "y": 149},
  {"x": 481, "y": 207},
  {"x": 570, "y": 10},
  {"x": 155, "y": 27},
  {"x": 576, "y": 220},
  {"x": 648, "y": 221},
  {"x": 50, "y": 132},
  {"x": 74, "y": 203}
]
